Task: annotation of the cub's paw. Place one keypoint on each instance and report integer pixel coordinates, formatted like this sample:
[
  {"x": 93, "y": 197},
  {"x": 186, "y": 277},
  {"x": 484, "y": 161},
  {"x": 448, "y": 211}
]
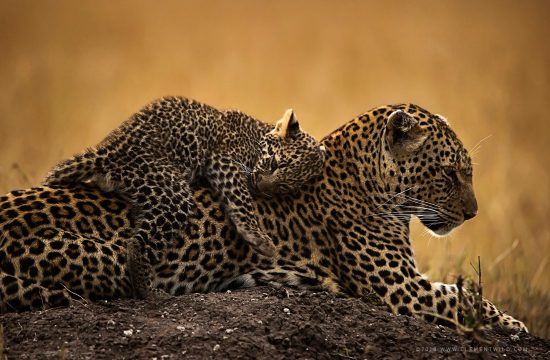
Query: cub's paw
[
  {"x": 261, "y": 243},
  {"x": 139, "y": 270}
]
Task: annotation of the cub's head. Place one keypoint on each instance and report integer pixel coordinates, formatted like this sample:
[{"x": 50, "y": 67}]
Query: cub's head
[
  {"x": 427, "y": 169},
  {"x": 289, "y": 158}
]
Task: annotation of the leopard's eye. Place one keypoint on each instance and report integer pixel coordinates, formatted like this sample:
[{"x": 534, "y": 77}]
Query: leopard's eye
[{"x": 450, "y": 171}]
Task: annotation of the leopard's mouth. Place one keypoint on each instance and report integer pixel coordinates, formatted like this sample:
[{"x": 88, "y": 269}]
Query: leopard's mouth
[
  {"x": 439, "y": 226},
  {"x": 436, "y": 227}
]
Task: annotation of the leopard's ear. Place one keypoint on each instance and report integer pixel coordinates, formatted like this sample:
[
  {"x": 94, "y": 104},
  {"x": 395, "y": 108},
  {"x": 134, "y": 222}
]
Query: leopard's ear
[
  {"x": 403, "y": 133},
  {"x": 287, "y": 126}
]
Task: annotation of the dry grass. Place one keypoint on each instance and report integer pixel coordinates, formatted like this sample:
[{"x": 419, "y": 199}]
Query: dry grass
[{"x": 71, "y": 71}]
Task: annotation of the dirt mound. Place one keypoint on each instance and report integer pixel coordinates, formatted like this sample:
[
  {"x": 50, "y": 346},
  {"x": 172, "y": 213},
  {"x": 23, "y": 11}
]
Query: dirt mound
[{"x": 254, "y": 323}]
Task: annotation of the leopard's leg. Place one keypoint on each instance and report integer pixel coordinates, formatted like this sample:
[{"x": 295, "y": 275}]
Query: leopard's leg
[
  {"x": 447, "y": 303},
  {"x": 18, "y": 294},
  {"x": 61, "y": 265},
  {"x": 300, "y": 281},
  {"x": 278, "y": 277},
  {"x": 386, "y": 266},
  {"x": 437, "y": 302},
  {"x": 229, "y": 179},
  {"x": 496, "y": 317}
]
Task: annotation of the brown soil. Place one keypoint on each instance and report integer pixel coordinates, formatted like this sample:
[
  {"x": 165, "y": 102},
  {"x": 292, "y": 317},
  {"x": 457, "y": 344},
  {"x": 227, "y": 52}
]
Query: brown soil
[{"x": 254, "y": 323}]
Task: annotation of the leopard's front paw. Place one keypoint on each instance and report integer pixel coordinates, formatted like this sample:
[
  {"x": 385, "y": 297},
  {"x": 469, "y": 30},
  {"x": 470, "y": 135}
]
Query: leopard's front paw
[
  {"x": 498, "y": 318},
  {"x": 508, "y": 323},
  {"x": 262, "y": 243}
]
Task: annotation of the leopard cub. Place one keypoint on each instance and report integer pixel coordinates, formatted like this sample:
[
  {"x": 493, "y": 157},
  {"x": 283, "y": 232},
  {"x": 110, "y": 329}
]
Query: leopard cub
[{"x": 154, "y": 156}]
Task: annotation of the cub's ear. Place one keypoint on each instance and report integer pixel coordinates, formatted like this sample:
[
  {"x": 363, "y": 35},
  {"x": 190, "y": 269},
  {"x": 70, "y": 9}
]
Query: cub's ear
[
  {"x": 403, "y": 133},
  {"x": 287, "y": 126}
]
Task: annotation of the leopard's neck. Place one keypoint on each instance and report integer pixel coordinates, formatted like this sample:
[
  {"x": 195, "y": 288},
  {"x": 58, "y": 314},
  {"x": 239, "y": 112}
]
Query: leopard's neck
[{"x": 343, "y": 208}]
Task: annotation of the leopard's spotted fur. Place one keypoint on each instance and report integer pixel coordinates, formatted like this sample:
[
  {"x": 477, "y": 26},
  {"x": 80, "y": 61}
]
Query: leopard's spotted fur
[
  {"x": 347, "y": 232},
  {"x": 153, "y": 157}
]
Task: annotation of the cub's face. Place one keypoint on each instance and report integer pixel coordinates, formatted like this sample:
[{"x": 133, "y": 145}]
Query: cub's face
[
  {"x": 429, "y": 169},
  {"x": 289, "y": 158}
]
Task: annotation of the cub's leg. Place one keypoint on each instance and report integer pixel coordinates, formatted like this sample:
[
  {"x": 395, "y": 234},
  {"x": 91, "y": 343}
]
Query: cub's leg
[
  {"x": 74, "y": 170},
  {"x": 159, "y": 191},
  {"x": 86, "y": 166},
  {"x": 231, "y": 182},
  {"x": 163, "y": 204},
  {"x": 139, "y": 270}
]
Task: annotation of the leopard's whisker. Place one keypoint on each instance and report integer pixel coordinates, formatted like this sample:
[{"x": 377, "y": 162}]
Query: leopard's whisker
[
  {"x": 422, "y": 202},
  {"x": 477, "y": 146},
  {"x": 394, "y": 196}
]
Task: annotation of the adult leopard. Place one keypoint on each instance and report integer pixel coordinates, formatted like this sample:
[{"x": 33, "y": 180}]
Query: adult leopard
[{"x": 346, "y": 232}]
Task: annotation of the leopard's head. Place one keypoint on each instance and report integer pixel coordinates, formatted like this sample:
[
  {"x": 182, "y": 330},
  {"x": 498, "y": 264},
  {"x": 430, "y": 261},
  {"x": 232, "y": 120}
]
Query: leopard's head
[
  {"x": 289, "y": 158},
  {"x": 427, "y": 169}
]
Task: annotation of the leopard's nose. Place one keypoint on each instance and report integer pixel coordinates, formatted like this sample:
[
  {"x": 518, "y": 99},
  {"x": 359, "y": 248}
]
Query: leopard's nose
[
  {"x": 264, "y": 184},
  {"x": 469, "y": 214},
  {"x": 470, "y": 210},
  {"x": 469, "y": 202}
]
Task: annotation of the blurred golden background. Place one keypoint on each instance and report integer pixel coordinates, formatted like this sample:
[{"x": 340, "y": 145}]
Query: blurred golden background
[{"x": 70, "y": 71}]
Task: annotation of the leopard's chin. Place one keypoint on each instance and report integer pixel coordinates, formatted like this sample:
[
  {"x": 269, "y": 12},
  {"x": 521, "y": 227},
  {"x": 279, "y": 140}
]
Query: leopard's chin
[{"x": 439, "y": 227}]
